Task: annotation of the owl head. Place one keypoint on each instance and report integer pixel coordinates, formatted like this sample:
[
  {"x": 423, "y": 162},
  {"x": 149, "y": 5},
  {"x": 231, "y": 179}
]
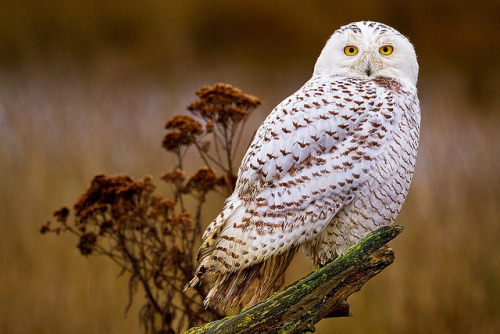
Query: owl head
[{"x": 366, "y": 49}]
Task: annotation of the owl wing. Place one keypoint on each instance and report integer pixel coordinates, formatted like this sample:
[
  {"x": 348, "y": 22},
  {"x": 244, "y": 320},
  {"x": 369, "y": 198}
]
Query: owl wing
[{"x": 307, "y": 160}]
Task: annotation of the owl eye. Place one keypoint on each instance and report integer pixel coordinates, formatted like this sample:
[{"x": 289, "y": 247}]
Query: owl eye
[
  {"x": 350, "y": 50},
  {"x": 386, "y": 50}
]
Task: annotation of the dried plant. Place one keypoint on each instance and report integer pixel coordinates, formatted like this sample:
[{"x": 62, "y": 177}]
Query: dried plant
[{"x": 151, "y": 238}]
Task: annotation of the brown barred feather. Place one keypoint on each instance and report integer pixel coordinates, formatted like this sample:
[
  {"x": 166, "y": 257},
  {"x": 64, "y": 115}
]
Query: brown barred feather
[{"x": 229, "y": 289}]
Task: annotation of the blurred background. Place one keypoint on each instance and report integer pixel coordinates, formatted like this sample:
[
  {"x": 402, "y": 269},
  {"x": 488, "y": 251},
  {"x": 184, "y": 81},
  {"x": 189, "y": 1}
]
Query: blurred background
[{"x": 86, "y": 86}]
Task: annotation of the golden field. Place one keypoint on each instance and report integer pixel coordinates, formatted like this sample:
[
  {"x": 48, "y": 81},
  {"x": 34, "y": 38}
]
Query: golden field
[{"x": 68, "y": 114}]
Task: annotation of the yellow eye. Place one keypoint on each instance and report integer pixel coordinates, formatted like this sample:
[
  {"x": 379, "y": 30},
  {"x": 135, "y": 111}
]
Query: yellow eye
[
  {"x": 350, "y": 50},
  {"x": 386, "y": 50}
]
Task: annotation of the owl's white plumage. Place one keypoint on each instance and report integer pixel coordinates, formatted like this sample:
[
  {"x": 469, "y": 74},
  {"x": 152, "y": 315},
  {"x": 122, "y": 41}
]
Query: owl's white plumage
[{"x": 329, "y": 164}]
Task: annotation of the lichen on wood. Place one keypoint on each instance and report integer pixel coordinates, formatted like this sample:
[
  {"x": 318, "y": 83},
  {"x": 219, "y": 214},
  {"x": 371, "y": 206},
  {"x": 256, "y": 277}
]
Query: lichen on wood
[{"x": 321, "y": 294}]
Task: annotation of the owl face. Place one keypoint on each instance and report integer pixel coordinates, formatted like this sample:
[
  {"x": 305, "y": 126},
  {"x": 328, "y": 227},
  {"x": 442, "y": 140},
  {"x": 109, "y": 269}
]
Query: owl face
[{"x": 366, "y": 49}]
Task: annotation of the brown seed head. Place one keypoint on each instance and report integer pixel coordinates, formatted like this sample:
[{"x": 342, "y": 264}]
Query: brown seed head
[
  {"x": 224, "y": 94},
  {"x": 61, "y": 215},
  {"x": 160, "y": 207},
  {"x": 117, "y": 196},
  {"x": 183, "y": 131},
  {"x": 209, "y": 126},
  {"x": 176, "y": 176},
  {"x": 222, "y": 103},
  {"x": 45, "y": 228},
  {"x": 203, "y": 180},
  {"x": 87, "y": 243},
  {"x": 182, "y": 220},
  {"x": 185, "y": 124}
]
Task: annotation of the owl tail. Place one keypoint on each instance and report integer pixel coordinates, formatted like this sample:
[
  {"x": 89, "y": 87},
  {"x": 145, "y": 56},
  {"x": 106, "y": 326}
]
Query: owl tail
[
  {"x": 261, "y": 279},
  {"x": 205, "y": 250}
]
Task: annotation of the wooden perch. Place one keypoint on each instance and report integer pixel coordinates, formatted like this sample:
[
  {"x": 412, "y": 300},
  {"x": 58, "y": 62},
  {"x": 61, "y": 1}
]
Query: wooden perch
[{"x": 321, "y": 294}]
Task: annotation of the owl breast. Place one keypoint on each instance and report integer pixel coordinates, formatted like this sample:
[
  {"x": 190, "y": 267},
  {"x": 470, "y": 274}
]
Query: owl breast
[{"x": 380, "y": 198}]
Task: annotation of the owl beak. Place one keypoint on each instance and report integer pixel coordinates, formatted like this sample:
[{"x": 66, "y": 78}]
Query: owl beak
[
  {"x": 366, "y": 65},
  {"x": 368, "y": 69}
]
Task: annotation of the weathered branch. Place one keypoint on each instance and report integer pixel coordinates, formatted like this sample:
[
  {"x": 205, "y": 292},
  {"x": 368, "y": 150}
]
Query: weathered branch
[{"x": 321, "y": 294}]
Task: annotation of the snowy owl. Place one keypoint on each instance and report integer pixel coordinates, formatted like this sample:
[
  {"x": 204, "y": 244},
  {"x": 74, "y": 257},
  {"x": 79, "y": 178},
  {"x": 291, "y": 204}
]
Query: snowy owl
[{"x": 330, "y": 163}]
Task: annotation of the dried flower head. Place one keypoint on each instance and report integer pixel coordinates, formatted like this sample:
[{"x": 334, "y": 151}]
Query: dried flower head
[
  {"x": 183, "y": 220},
  {"x": 116, "y": 196},
  {"x": 61, "y": 215},
  {"x": 209, "y": 127},
  {"x": 202, "y": 181},
  {"x": 224, "y": 94},
  {"x": 160, "y": 207},
  {"x": 183, "y": 131},
  {"x": 185, "y": 124},
  {"x": 177, "y": 176},
  {"x": 87, "y": 243},
  {"x": 45, "y": 228},
  {"x": 222, "y": 103}
]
